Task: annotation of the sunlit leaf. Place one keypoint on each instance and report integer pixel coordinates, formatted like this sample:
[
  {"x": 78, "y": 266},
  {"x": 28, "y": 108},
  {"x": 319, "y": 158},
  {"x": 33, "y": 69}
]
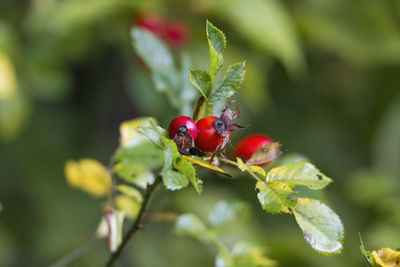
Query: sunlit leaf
[
  {"x": 322, "y": 228},
  {"x": 174, "y": 180},
  {"x": 265, "y": 154},
  {"x": 248, "y": 255},
  {"x": 205, "y": 164},
  {"x": 299, "y": 173},
  {"x": 201, "y": 81},
  {"x": 386, "y": 257},
  {"x": 88, "y": 175},
  {"x": 130, "y": 192},
  {"x": 216, "y": 43},
  {"x": 8, "y": 80},
  {"x": 191, "y": 225},
  {"x": 134, "y": 173},
  {"x": 187, "y": 169},
  {"x": 275, "y": 197},
  {"x": 232, "y": 80},
  {"x": 130, "y": 206},
  {"x": 153, "y": 132},
  {"x": 115, "y": 222},
  {"x": 250, "y": 168},
  {"x": 130, "y": 137}
]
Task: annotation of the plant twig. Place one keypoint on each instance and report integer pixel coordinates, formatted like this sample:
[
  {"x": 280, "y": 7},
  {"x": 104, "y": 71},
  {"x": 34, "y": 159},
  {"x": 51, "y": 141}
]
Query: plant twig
[{"x": 137, "y": 224}]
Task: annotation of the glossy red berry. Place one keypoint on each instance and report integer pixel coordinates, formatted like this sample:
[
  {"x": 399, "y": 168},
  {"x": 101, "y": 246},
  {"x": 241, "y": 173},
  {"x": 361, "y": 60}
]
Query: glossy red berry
[
  {"x": 208, "y": 138},
  {"x": 182, "y": 121},
  {"x": 249, "y": 145},
  {"x": 183, "y": 130}
]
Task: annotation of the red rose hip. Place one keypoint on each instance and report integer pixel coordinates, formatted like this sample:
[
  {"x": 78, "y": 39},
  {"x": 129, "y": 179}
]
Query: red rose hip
[
  {"x": 208, "y": 138},
  {"x": 249, "y": 145},
  {"x": 183, "y": 130}
]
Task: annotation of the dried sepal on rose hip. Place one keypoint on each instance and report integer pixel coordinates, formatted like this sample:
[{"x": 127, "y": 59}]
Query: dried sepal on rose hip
[
  {"x": 183, "y": 130},
  {"x": 214, "y": 133},
  {"x": 258, "y": 149}
]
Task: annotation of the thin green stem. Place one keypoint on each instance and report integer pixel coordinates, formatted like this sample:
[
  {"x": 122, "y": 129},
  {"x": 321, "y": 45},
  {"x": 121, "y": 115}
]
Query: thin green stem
[
  {"x": 233, "y": 163},
  {"x": 228, "y": 161},
  {"x": 75, "y": 254},
  {"x": 137, "y": 224}
]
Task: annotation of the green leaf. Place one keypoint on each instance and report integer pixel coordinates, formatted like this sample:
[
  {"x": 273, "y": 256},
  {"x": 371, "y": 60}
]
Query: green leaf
[
  {"x": 224, "y": 212},
  {"x": 232, "y": 80},
  {"x": 250, "y": 168},
  {"x": 152, "y": 50},
  {"x": 322, "y": 228},
  {"x": 190, "y": 225},
  {"x": 201, "y": 80},
  {"x": 367, "y": 254},
  {"x": 130, "y": 192},
  {"x": 174, "y": 180},
  {"x": 275, "y": 197},
  {"x": 154, "y": 133},
  {"x": 170, "y": 154},
  {"x": 216, "y": 44},
  {"x": 187, "y": 169},
  {"x": 137, "y": 173},
  {"x": 299, "y": 173}
]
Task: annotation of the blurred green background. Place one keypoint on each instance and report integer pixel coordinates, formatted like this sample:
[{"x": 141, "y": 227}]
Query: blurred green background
[{"x": 322, "y": 78}]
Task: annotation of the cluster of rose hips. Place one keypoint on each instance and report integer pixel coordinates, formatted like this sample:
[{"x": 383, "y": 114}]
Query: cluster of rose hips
[
  {"x": 174, "y": 32},
  {"x": 210, "y": 135}
]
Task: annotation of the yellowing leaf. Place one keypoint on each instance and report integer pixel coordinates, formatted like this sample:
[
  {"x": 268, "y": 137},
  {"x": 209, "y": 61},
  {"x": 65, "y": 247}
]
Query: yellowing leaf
[
  {"x": 128, "y": 205},
  {"x": 250, "y": 168},
  {"x": 88, "y": 175},
  {"x": 386, "y": 257},
  {"x": 8, "y": 81},
  {"x": 205, "y": 164},
  {"x": 130, "y": 137}
]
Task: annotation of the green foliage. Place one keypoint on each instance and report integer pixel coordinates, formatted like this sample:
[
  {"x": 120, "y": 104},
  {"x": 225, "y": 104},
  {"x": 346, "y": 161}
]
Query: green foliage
[
  {"x": 243, "y": 254},
  {"x": 203, "y": 80},
  {"x": 233, "y": 78},
  {"x": 275, "y": 197},
  {"x": 187, "y": 169},
  {"x": 299, "y": 173},
  {"x": 166, "y": 77},
  {"x": 216, "y": 44},
  {"x": 322, "y": 228}
]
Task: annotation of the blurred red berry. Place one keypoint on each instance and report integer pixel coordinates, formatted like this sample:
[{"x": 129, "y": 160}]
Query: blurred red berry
[{"x": 249, "y": 145}]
